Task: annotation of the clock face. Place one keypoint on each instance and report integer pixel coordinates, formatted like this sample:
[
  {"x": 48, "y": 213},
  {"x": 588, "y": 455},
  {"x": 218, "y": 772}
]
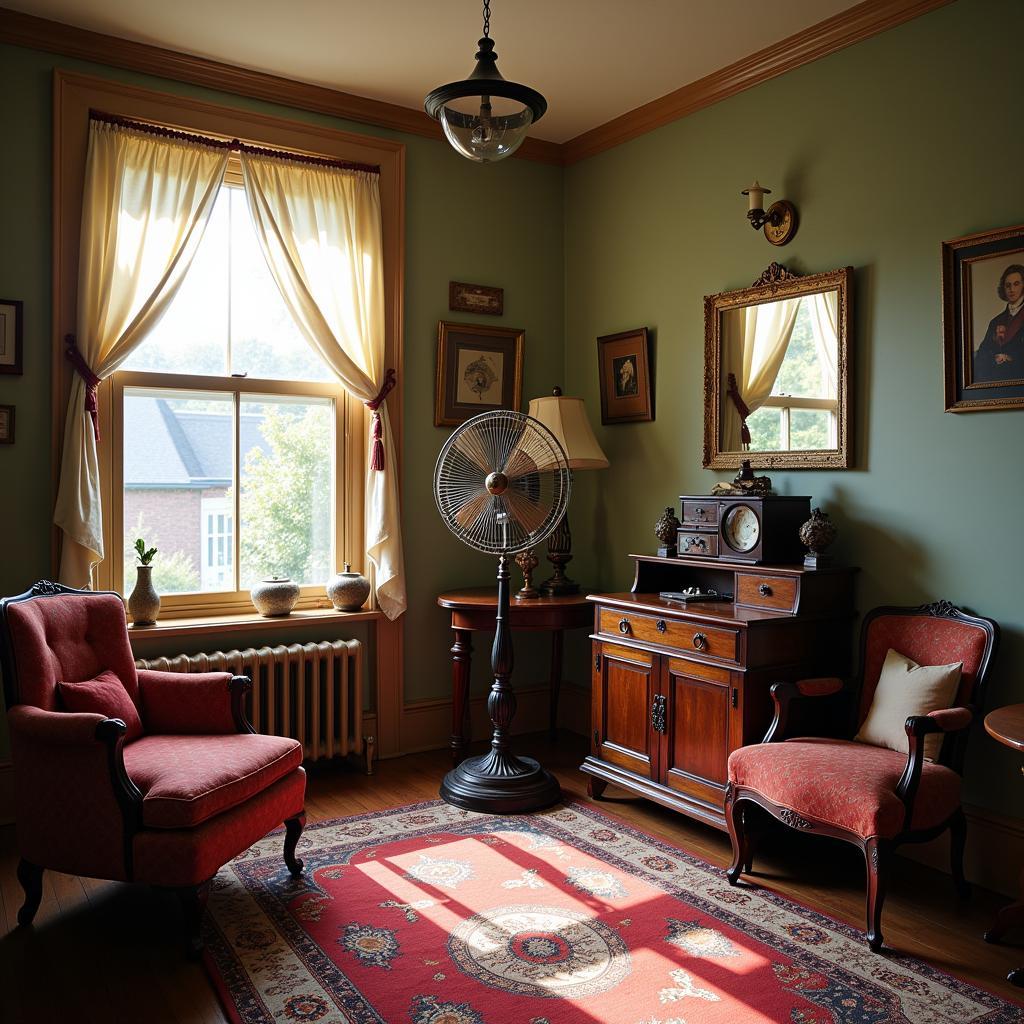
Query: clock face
[{"x": 742, "y": 529}]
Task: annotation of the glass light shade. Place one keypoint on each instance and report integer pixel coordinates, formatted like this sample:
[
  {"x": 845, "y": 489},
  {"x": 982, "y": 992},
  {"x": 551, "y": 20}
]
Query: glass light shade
[{"x": 566, "y": 418}]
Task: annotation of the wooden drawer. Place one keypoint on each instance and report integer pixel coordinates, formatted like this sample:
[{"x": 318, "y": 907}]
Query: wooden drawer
[
  {"x": 687, "y": 637},
  {"x": 697, "y": 544},
  {"x": 777, "y": 592},
  {"x": 700, "y": 513}
]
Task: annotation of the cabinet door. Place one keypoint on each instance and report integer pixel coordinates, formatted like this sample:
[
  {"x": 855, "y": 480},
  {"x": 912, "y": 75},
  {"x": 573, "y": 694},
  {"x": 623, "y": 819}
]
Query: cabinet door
[
  {"x": 696, "y": 745},
  {"x": 624, "y": 690}
]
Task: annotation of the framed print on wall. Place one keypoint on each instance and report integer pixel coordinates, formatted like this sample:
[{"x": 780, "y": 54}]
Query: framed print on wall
[
  {"x": 624, "y": 367},
  {"x": 10, "y": 336},
  {"x": 478, "y": 368},
  {"x": 6, "y": 424},
  {"x": 983, "y": 320}
]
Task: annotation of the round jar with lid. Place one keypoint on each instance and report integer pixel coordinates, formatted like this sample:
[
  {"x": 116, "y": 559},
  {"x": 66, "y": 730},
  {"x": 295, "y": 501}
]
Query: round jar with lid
[
  {"x": 275, "y": 596},
  {"x": 348, "y": 590}
]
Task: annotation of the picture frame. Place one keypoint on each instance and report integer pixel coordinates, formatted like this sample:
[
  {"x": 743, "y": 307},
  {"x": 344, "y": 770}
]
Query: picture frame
[
  {"x": 10, "y": 336},
  {"x": 983, "y": 320},
  {"x": 479, "y": 368},
  {"x": 475, "y": 298},
  {"x": 624, "y": 370},
  {"x": 6, "y": 424}
]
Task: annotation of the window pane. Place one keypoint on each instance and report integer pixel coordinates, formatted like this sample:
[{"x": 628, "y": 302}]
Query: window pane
[
  {"x": 765, "y": 429},
  {"x": 265, "y": 341},
  {"x": 287, "y": 469},
  {"x": 801, "y": 373},
  {"x": 810, "y": 429},
  {"x": 178, "y": 472},
  {"x": 192, "y": 335}
]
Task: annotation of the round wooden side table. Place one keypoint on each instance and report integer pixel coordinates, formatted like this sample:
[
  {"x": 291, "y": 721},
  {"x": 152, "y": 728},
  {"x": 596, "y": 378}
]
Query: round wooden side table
[{"x": 1007, "y": 726}]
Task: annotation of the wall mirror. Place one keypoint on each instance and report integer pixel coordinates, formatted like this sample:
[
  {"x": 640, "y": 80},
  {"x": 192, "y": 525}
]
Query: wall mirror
[{"x": 777, "y": 372}]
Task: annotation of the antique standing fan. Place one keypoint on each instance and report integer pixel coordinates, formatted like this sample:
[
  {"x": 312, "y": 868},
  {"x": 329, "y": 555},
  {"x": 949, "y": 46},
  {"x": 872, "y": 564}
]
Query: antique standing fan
[{"x": 501, "y": 485}]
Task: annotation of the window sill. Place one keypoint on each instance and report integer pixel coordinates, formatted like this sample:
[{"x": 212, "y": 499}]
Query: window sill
[{"x": 200, "y": 625}]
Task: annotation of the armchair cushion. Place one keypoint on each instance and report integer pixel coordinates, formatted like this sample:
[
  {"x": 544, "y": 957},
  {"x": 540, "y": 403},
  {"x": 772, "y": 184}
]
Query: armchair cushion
[
  {"x": 180, "y": 703},
  {"x": 843, "y": 783},
  {"x": 186, "y": 780},
  {"x": 905, "y": 689},
  {"x": 105, "y": 695}
]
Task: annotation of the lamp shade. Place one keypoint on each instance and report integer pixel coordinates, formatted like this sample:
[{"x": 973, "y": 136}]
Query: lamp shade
[{"x": 566, "y": 418}]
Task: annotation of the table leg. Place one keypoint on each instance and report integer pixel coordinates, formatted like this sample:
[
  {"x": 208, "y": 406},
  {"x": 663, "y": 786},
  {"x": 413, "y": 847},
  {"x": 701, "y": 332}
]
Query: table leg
[
  {"x": 462, "y": 660},
  {"x": 557, "y": 638}
]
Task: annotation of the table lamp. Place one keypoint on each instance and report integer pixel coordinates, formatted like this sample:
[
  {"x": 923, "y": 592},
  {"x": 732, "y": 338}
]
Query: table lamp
[{"x": 566, "y": 418}]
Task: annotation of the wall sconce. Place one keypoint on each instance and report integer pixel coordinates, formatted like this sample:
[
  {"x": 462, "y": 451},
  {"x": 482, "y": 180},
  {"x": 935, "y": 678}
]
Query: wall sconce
[{"x": 779, "y": 223}]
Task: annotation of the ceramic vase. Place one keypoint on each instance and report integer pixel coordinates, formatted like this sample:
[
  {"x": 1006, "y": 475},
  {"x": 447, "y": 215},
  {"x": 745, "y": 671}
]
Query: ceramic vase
[
  {"x": 275, "y": 596},
  {"x": 144, "y": 601},
  {"x": 348, "y": 590}
]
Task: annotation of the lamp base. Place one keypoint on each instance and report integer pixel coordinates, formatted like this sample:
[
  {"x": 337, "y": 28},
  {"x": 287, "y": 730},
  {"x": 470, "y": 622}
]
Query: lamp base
[
  {"x": 559, "y": 555},
  {"x": 498, "y": 784}
]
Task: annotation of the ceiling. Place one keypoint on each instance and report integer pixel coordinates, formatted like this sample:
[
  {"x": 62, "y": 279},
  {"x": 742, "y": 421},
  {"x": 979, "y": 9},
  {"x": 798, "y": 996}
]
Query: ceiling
[{"x": 592, "y": 59}]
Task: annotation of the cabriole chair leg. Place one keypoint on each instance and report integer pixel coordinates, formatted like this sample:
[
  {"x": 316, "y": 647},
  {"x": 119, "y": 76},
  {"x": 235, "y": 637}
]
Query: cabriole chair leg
[
  {"x": 31, "y": 878},
  {"x": 876, "y": 861},
  {"x": 741, "y": 854},
  {"x": 293, "y": 829}
]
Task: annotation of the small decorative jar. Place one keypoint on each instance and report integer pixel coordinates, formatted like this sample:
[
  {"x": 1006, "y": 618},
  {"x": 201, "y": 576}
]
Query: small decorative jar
[
  {"x": 274, "y": 596},
  {"x": 144, "y": 601},
  {"x": 665, "y": 529},
  {"x": 348, "y": 590},
  {"x": 817, "y": 534}
]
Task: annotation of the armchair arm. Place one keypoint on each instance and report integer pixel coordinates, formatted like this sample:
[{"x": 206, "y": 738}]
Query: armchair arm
[
  {"x": 784, "y": 693},
  {"x": 210, "y": 703},
  {"x": 77, "y": 810},
  {"x": 947, "y": 720}
]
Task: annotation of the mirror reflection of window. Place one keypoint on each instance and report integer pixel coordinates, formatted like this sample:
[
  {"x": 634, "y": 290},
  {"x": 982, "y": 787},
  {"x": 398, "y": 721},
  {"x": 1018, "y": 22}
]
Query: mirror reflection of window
[{"x": 783, "y": 356}]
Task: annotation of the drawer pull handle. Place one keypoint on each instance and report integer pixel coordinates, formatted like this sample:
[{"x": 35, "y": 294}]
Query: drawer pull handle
[
  {"x": 660, "y": 626},
  {"x": 624, "y": 626},
  {"x": 764, "y": 590},
  {"x": 700, "y": 641},
  {"x": 699, "y": 512}
]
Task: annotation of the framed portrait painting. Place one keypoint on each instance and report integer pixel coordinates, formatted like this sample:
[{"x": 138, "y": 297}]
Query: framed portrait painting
[
  {"x": 10, "y": 336},
  {"x": 983, "y": 320},
  {"x": 624, "y": 366},
  {"x": 478, "y": 368}
]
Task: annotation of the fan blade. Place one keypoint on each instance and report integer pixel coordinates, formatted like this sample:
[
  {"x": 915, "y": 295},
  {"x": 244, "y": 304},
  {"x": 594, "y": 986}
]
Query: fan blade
[
  {"x": 471, "y": 509},
  {"x": 473, "y": 447},
  {"x": 519, "y": 464},
  {"x": 528, "y": 514}
]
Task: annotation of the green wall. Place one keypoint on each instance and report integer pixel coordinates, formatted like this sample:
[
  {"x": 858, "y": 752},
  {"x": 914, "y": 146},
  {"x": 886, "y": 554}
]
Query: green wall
[
  {"x": 887, "y": 149},
  {"x": 498, "y": 224}
]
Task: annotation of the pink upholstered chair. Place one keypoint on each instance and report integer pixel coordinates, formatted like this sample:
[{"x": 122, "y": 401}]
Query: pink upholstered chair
[
  {"x": 870, "y": 796},
  {"x": 130, "y": 775}
]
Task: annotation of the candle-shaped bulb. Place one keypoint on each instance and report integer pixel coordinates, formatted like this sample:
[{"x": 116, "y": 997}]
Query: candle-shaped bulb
[{"x": 756, "y": 192}]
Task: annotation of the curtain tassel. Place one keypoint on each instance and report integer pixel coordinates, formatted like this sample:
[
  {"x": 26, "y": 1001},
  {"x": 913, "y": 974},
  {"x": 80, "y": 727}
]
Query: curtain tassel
[
  {"x": 92, "y": 382},
  {"x": 377, "y": 428},
  {"x": 741, "y": 408}
]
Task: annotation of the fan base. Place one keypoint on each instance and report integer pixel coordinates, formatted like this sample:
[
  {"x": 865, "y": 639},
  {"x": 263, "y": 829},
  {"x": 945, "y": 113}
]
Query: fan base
[{"x": 475, "y": 786}]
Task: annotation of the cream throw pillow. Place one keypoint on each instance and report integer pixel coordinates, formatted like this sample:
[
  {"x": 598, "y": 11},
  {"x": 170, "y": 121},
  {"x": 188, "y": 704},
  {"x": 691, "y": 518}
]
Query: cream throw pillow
[{"x": 904, "y": 689}]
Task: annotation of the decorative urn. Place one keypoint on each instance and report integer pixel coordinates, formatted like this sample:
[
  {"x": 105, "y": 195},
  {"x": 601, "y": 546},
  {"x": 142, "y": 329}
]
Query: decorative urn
[
  {"x": 275, "y": 596},
  {"x": 666, "y": 530},
  {"x": 144, "y": 601},
  {"x": 817, "y": 534},
  {"x": 348, "y": 590}
]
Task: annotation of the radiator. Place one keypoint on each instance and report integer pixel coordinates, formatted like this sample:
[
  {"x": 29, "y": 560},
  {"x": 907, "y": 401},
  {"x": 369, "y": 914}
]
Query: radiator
[{"x": 312, "y": 692}]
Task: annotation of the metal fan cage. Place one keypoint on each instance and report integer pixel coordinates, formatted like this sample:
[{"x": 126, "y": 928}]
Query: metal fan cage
[{"x": 536, "y": 482}]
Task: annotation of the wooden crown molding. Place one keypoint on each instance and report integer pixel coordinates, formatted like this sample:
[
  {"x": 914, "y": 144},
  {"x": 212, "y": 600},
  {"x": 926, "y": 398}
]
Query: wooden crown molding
[{"x": 844, "y": 29}]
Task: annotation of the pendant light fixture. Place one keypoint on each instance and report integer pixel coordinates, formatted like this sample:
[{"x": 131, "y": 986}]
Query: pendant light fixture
[{"x": 485, "y": 117}]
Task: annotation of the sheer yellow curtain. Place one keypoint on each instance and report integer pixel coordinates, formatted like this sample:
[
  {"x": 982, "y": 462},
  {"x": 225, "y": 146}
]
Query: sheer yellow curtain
[
  {"x": 146, "y": 203},
  {"x": 320, "y": 229},
  {"x": 824, "y": 307}
]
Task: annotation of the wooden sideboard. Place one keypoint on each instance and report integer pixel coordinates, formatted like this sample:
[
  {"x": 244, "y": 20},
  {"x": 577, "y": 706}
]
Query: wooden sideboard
[{"x": 677, "y": 687}]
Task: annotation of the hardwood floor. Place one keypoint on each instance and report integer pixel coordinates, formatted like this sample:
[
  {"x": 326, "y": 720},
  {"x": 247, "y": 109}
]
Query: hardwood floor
[{"x": 108, "y": 952}]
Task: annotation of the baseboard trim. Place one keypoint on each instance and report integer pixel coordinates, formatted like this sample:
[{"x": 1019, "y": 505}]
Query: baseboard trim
[{"x": 6, "y": 793}]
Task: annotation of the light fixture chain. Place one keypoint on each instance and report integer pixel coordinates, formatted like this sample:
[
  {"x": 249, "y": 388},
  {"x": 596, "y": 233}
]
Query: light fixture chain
[{"x": 487, "y": 19}]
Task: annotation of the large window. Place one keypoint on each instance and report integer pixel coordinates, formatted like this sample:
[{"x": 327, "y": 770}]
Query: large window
[{"x": 230, "y": 433}]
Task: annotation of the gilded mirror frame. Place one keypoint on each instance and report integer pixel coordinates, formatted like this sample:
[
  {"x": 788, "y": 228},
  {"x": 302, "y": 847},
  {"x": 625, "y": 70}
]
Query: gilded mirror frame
[{"x": 778, "y": 283}]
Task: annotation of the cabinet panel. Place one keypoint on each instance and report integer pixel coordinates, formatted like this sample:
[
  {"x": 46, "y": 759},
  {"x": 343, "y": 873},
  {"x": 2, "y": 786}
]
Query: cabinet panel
[{"x": 624, "y": 691}]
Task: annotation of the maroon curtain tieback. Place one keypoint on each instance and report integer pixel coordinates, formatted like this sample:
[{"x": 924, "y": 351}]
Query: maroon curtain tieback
[
  {"x": 377, "y": 428},
  {"x": 741, "y": 408},
  {"x": 92, "y": 382}
]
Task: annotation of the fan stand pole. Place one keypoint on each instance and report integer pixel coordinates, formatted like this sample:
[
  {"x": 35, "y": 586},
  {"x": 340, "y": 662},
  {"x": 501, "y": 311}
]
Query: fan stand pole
[{"x": 499, "y": 782}]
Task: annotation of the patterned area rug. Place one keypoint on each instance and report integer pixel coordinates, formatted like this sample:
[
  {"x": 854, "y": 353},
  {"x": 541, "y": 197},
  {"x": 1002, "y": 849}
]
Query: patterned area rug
[{"x": 433, "y": 915}]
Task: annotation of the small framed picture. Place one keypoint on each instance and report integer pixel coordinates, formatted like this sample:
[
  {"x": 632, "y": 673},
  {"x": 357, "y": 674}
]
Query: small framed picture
[
  {"x": 475, "y": 298},
  {"x": 6, "y": 424},
  {"x": 624, "y": 366},
  {"x": 478, "y": 368},
  {"x": 983, "y": 320},
  {"x": 10, "y": 336}
]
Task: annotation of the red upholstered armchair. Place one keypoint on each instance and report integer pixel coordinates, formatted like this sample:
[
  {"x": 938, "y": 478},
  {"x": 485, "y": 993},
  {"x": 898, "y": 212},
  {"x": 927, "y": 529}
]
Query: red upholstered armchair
[
  {"x": 871, "y": 796},
  {"x": 130, "y": 775}
]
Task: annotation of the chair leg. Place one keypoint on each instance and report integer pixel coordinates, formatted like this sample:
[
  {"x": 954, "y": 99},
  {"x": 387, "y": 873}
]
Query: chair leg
[
  {"x": 596, "y": 788},
  {"x": 876, "y": 861},
  {"x": 293, "y": 827},
  {"x": 957, "y": 842},
  {"x": 735, "y": 819},
  {"x": 193, "y": 899},
  {"x": 31, "y": 878}
]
